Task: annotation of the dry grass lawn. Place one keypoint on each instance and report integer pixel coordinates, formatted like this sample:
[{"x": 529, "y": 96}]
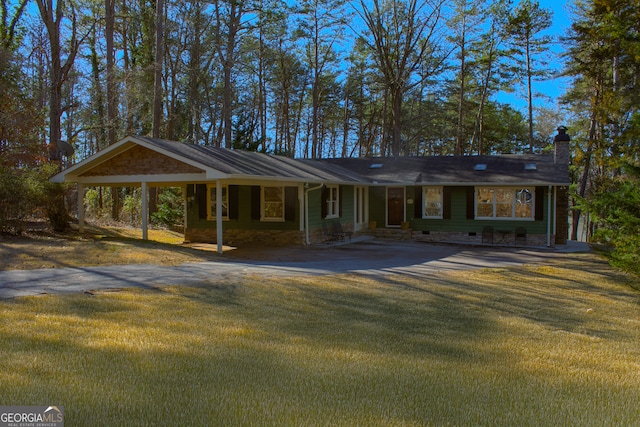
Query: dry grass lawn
[
  {"x": 555, "y": 344},
  {"x": 97, "y": 246}
]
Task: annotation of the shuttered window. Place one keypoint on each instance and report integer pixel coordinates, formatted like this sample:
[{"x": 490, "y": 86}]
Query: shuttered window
[
  {"x": 432, "y": 201},
  {"x": 273, "y": 203},
  {"x": 505, "y": 203},
  {"x": 211, "y": 202}
]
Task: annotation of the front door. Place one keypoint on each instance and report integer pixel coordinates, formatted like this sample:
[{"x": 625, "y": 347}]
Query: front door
[{"x": 395, "y": 206}]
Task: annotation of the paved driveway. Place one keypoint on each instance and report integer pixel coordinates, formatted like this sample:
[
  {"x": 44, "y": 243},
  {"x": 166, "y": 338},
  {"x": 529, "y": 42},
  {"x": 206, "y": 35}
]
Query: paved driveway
[{"x": 370, "y": 257}]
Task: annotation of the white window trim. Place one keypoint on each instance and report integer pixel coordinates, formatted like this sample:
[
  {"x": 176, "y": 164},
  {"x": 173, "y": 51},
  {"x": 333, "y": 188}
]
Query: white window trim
[
  {"x": 263, "y": 204},
  {"x": 513, "y": 207},
  {"x": 225, "y": 190},
  {"x": 424, "y": 202},
  {"x": 335, "y": 212}
]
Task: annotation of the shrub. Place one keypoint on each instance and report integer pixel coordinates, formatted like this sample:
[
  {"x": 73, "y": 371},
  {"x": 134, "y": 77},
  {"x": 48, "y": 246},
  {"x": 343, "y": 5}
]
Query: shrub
[
  {"x": 16, "y": 200},
  {"x": 24, "y": 190},
  {"x": 615, "y": 210},
  {"x": 170, "y": 208}
]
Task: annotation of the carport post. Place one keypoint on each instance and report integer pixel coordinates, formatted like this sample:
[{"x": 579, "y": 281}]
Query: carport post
[
  {"x": 549, "y": 217},
  {"x": 80, "y": 208},
  {"x": 185, "y": 211},
  {"x": 145, "y": 211},
  {"x": 219, "y": 216}
]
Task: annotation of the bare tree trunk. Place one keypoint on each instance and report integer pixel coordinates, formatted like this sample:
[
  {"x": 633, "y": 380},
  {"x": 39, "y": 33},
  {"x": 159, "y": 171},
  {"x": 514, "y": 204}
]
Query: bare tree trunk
[
  {"x": 402, "y": 38},
  {"x": 157, "y": 88},
  {"x": 58, "y": 72},
  {"x": 112, "y": 107},
  {"x": 345, "y": 126},
  {"x": 461, "y": 94},
  {"x": 582, "y": 190},
  {"x": 228, "y": 63},
  {"x": 157, "y": 93}
]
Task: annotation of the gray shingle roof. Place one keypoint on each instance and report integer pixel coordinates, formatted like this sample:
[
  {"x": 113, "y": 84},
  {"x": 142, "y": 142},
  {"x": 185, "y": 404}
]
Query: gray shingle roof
[
  {"x": 246, "y": 163},
  {"x": 435, "y": 170},
  {"x": 450, "y": 170},
  {"x": 460, "y": 170}
]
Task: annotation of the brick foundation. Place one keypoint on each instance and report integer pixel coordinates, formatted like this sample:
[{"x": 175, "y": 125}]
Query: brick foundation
[
  {"x": 562, "y": 216},
  {"x": 466, "y": 238},
  {"x": 239, "y": 237}
]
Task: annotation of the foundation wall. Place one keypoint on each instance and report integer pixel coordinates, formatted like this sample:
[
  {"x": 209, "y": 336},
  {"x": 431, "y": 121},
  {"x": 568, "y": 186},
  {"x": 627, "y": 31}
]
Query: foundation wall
[
  {"x": 476, "y": 238},
  {"x": 235, "y": 237}
]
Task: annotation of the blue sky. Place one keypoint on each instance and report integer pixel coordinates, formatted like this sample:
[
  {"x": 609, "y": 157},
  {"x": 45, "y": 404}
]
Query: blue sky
[{"x": 555, "y": 87}]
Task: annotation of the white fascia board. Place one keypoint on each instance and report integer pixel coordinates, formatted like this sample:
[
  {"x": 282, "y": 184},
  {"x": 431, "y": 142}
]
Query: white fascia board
[
  {"x": 184, "y": 178},
  {"x": 482, "y": 184},
  {"x": 273, "y": 180},
  {"x": 214, "y": 174}
]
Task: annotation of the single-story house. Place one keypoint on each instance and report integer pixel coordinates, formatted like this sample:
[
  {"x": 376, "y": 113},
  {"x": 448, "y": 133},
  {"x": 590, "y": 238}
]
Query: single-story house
[{"x": 235, "y": 196}]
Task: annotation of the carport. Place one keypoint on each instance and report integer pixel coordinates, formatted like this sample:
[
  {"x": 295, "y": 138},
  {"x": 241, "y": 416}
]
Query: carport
[{"x": 133, "y": 162}]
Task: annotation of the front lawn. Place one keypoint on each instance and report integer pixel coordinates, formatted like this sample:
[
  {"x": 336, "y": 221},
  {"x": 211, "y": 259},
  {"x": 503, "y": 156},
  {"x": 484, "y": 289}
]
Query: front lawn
[
  {"x": 96, "y": 246},
  {"x": 537, "y": 345}
]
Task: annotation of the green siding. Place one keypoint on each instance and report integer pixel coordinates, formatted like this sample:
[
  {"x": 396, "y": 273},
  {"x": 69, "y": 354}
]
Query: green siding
[
  {"x": 459, "y": 222},
  {"x": 346, "y": 206},
  {"x": 244, "y": 221},
  {"x": 378, "y": 205}
]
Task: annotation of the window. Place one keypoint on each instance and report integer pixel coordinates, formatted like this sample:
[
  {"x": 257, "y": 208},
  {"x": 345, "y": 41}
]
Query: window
[
  {"x": 273, "y": 203},
  {"x": 211, "y": 202},
  {"x": 332, "y": 201},
  {"x": 432, "y": 202},
  {"x": 504, "y": 203},
  {"x": 524, "y": 204}
]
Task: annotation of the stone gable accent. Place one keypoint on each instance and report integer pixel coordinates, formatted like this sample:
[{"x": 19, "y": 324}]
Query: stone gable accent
[{"x": 141, "y": 161}]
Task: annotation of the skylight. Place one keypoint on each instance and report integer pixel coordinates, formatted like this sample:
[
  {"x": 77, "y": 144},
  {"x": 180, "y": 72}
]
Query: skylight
[
  {"x": 480, "y": 167},
  {"x": 530, "y": 167},
  {"x": 375, "y": 166}
]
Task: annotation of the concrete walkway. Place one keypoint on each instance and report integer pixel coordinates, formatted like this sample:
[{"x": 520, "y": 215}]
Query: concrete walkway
[{"x": 371, "y": 258}]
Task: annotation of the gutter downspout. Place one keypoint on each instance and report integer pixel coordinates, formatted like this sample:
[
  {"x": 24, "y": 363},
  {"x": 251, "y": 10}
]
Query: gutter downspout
[
  {"x": 549, "y": 217},
  {"x": 306, "y": 212},
  {"x": 555, "y": 212}
]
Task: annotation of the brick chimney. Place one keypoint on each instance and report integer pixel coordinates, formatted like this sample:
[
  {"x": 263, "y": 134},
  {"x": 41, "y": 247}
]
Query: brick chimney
[{"x": 561, "y": 145}]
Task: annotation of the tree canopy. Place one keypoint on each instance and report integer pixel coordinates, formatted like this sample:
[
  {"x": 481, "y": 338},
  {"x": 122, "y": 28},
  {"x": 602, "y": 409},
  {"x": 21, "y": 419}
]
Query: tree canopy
[{"x": 315, "y": 79}]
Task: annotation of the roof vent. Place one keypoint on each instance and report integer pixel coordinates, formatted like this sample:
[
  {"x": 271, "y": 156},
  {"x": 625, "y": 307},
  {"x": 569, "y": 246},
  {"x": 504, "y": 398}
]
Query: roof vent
[
  {"x": 530, "y": 167},
  {"x": 375, "y": 166},
  {"x": 480, "y": 167}
]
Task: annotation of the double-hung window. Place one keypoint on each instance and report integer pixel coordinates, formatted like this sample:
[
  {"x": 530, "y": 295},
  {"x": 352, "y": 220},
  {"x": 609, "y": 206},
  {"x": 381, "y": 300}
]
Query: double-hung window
[
  {"x": 333, "y": 201},
  {"x": 505, "y": 203},
  {"x": 272, "y": 203},
  {"x": 212, "y": 205},
  {"x": 432, "y": 202}
]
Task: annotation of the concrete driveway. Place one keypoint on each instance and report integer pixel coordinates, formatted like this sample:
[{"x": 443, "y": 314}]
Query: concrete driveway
[{"x": 369, "y": 257}]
